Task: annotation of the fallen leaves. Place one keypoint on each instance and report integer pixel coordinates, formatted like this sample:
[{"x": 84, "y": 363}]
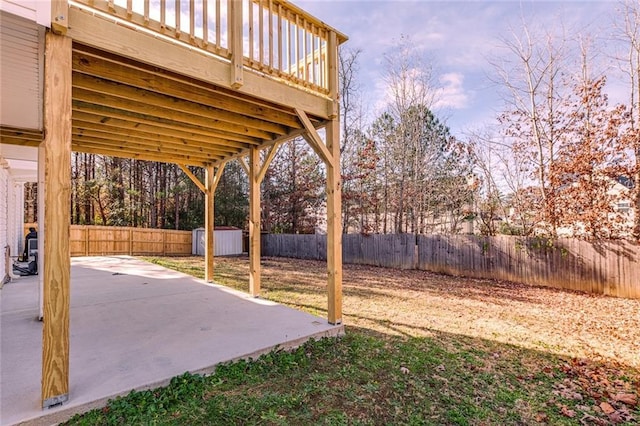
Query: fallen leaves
[
  {"x": 627, "y": 398},
  {"x": 567, "y": 412},
  {"x": 607, "y": 408},
  {"x": 585, "y": 379}
]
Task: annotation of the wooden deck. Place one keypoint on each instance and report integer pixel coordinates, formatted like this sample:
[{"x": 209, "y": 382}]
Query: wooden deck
[
  {"x": 171, "y": 90},
  {"x": 191, "y": 82}
]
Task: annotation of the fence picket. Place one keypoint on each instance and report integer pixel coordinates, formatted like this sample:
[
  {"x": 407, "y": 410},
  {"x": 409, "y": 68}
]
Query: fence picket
[{"x": 605, "y": 267}]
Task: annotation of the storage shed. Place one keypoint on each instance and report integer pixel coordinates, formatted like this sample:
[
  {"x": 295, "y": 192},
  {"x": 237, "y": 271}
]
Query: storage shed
[{"x": 228, "y": 241}]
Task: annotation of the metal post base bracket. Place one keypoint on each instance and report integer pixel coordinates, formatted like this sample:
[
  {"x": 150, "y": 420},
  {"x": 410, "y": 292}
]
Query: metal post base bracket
[{"x": 55, "y": 401}]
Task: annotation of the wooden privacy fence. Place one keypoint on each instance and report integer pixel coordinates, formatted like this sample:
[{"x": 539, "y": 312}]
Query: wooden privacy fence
[
  {"x": 603, "y": 267},
  {"x": 92, "y": 240}
]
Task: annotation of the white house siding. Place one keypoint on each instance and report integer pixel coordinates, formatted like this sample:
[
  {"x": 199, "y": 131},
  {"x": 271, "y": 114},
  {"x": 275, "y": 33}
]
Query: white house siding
[
  {"x": 38, "y": 11},
  {"x": 21, "y": 77},
  {"x": 4, "y": 183},
  {"x": 15, "y": 217}
]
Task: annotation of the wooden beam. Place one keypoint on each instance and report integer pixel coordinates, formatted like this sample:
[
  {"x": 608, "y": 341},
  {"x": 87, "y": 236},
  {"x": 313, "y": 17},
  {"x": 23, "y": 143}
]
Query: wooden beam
[
  {"x": 150, "y": 98},
  {"x": 209, "y": 243},
  {"x": 254, "y": 222},
  {"x": 188, "y": 131},
  {"x": 162, "y": 158},
  {"x": 10, "y": 134},
  {"x": 136, "y": 144},
  {"x": 57, "y": 260},
  {"x": 267, "y": 161},
  {"x": 313, "y": 139},
  {"x": 132, "y": 150},
  {"x": 282, "y": 139},
  {"x": 196, "y": 116},
  {"x": 193, "y": 178},
  {"x": 244, "y": 164},
  {"x": 334, "y": 225},
  {"x": 59, "y": 16},
  {"x": 115, "y": 68},
  {"x": 132, "y": 128},
  {"x": 150, "y": 142}
]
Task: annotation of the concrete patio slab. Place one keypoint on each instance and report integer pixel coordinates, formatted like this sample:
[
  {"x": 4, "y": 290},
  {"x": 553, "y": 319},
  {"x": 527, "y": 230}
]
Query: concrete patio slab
[{"x": 135, "y": 325}]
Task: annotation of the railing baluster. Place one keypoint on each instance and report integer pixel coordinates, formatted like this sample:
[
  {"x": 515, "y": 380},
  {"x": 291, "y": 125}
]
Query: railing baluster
[
  {"x": 111, "y": 5},
  {"x": 218, "y": 30},
  {"x": 280, "y": 37},
  {"x": 305, "y": 50},
  {"x": 298, "y": 43},
  {"x": 250, "y": 31},
  {"x": 205, "y": 23},
  {"x": 323, "y": 61},
  {"x": 270, "y": 35},
  {"x": 129, "y": 8},
  {"x": 290, "y": 46},
  {"x": 192, "y": 19},
  {"x": 261, "y": 35},
  {"x": 163, "y": 14},
  {"x": 177, "y": 13},
  {"x": 146, "y": 11},
  {"x": 313, "y": 54}
]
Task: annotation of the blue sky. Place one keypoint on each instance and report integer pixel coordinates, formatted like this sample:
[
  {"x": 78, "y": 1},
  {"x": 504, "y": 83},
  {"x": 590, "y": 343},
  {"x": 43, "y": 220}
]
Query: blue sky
[{"x": 459, "y": 37}]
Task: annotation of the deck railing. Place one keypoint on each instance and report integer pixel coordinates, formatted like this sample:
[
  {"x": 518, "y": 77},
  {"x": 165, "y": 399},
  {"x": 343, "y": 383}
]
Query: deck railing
[{"x": 275, "y": 37}]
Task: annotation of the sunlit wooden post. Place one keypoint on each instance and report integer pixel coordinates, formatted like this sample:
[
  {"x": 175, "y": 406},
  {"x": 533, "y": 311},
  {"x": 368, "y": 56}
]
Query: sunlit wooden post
[
  {"x": 254, "y": 221},
  {"x": 334, "y": 191},
  {"x": 56, "y": 149},
  {"x": 236, "y": 43},
  {"x": 212, "y": 178},
  {"x": 209, "y": 235}
]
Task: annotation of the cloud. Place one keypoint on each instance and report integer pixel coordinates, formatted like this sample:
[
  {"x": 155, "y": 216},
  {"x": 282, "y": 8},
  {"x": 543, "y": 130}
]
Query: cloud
[{"x": 451, "y": 94}]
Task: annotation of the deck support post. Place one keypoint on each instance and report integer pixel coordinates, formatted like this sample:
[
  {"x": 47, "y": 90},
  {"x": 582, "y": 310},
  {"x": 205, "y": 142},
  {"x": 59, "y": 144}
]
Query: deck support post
[
  {"x": 334, "y": 225},
  {"x": 212, "y": 178},
  {"x": 254, "y": 222},
  {"x": 209, "y": 237},
  {"x": 334, "y": 191},
  {"x": 56, "y": 148}
]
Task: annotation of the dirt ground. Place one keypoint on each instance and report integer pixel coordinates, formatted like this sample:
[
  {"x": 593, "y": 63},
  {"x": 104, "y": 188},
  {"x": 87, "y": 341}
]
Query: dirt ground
[{"x": 416, "y": 303}]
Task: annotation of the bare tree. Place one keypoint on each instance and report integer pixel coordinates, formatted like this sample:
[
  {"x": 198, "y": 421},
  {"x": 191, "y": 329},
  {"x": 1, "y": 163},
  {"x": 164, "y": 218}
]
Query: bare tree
[
  {"x": 351, "y": 117},
  {"x": 489, "y": 178},
  {"x": 531, "y": 75},
  {"x": 411, "y": 95}
]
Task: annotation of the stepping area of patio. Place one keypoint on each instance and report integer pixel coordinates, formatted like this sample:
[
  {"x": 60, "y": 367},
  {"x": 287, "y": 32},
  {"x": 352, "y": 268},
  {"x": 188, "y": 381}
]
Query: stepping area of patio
[{"x": 135, "y": 325}]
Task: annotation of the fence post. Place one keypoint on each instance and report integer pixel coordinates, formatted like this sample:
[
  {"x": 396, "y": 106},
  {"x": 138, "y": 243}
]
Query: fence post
[
  {"x": 86, "y": 240},
  {"x": 130, "y": 241}
]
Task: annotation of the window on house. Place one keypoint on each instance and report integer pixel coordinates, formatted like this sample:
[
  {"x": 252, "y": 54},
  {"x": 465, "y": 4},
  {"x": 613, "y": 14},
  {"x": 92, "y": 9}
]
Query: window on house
[{"x": 624, "y": 206}]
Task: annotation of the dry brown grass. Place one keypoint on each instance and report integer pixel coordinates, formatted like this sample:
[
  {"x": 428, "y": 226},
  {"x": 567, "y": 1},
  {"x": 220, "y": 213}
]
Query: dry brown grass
[{"x": 418, "y": 303}]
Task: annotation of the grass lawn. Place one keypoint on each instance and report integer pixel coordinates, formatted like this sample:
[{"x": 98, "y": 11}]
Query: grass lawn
[{"x": 420, "y": 348}]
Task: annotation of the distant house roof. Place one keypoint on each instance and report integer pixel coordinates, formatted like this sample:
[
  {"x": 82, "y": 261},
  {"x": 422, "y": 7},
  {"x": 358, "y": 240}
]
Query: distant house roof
[{"x": 626, "y": 181}]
